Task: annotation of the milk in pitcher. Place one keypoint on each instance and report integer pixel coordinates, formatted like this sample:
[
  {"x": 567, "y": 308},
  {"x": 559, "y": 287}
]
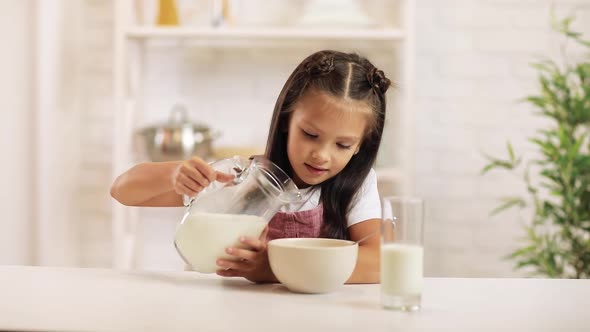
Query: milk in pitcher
[{"x": 203, "y": 237}]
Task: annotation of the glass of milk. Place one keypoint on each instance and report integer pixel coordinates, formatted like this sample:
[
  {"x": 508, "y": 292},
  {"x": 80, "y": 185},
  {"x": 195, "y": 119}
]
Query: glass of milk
[{"x": 402, "y": 253}]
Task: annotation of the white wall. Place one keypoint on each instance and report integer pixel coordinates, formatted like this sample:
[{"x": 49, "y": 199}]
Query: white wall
[
  {"x": 16, "y": 105},
  {"x": 40, "y": 139},
  {"x": 471, "y": 67},
  {"x": 57, "y": 117}
]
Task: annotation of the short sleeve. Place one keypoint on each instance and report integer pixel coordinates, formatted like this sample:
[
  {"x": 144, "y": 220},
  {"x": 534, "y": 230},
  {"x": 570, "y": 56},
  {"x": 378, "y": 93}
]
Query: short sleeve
[{"x": 368, "y": 204}]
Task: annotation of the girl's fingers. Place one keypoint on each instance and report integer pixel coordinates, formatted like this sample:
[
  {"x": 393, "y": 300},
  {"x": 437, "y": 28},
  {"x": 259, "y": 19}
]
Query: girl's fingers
[
  {"x": 228, "y": 273},
  {"x": 181, "y": 190},
  {"x": 190, "y": 183},
  {"x": 244, "y": 254},
  {"x": 184, "y": 190},
  {"x": 204, "y": 169},
  {"x": 224, "y": 177},
  {"x": 255, "y": 244},
  {"x": 194, "y": 174},
  {"x": 234, "y": 265}
]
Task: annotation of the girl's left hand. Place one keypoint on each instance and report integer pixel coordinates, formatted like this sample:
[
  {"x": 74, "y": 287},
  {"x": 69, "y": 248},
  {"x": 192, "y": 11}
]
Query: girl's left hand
[{"x": 251, "y": 262}]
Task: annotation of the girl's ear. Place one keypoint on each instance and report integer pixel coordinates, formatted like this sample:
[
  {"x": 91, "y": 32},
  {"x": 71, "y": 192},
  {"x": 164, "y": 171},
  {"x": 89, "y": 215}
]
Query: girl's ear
[{"x": 357, "y": 150}]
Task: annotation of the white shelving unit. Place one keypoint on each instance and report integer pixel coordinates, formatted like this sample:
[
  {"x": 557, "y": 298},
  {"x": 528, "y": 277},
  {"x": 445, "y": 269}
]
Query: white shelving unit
[
  {"x": 386, "y": 35},
  {"x": 129, "y": 52}
]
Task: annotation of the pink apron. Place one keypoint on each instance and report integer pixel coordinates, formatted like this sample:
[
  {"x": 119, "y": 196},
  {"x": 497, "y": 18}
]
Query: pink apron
[{"x": 296, "y": 224}]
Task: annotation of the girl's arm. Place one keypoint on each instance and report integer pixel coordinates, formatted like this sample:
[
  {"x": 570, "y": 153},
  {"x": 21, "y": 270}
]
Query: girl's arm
[
  {"x": 147, "y": 184},
  {"x": 164, "y": 183},
  {"x": 367, "y": 266}
]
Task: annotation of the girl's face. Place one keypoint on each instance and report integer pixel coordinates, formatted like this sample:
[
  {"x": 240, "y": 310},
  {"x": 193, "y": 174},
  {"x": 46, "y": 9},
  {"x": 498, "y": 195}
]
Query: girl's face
[{"x": 323, "y": 135}]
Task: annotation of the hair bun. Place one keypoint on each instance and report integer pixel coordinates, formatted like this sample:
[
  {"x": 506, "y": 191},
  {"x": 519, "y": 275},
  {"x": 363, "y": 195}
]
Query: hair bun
[
  {"x": 320, "y": 64},
  {"x": 378, "y": 81}
]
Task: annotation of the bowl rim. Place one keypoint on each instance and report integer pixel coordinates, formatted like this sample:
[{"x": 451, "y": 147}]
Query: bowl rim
[{"x": 287, "y": 243}]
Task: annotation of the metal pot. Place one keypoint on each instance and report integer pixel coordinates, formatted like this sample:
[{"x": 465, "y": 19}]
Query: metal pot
[{"x": 178, "y": 139}]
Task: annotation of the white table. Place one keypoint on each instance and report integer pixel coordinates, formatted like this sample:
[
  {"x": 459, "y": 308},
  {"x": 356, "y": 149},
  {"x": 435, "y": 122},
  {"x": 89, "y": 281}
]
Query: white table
[{"x": 61, "y": 299}]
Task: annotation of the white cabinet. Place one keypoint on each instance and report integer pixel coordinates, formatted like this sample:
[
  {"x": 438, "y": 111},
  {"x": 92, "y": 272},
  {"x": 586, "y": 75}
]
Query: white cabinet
[{"x": 393, "y": 42}]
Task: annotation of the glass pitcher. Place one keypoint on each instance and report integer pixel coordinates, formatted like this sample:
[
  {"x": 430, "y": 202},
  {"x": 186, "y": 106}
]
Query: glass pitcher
[{"x": 219, "y": 215}]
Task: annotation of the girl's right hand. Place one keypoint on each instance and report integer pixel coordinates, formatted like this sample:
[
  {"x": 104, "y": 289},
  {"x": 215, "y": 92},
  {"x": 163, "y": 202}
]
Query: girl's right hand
[{"x": 193, "y": 175}]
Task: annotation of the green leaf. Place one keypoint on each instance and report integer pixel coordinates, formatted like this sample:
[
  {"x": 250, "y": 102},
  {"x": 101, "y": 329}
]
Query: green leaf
[
  {"x": 508, "y": 203},
  {"x": 521, "y": 252},
  {"x": 537, "y": 101},
  {"x": 497, "y": 163},
  {"x": 511, "y": 153},
  {"x": 575, "y": 149}
]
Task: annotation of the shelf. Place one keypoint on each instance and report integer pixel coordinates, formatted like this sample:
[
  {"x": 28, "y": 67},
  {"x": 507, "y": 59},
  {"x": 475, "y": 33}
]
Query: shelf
[
  {"x": 389, "y": 34},
  {"x": 133, "y": 42}
]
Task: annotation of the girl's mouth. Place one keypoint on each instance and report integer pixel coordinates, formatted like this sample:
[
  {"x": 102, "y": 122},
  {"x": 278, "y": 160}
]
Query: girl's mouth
[{"x": 315, "y": 170}]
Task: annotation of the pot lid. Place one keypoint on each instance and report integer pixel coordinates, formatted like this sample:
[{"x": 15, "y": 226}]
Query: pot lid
[{"x": 178, "y": 119}]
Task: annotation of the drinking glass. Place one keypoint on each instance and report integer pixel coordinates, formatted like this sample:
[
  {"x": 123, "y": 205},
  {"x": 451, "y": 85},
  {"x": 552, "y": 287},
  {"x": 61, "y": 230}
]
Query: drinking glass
[{"x": 402, "y": 253}]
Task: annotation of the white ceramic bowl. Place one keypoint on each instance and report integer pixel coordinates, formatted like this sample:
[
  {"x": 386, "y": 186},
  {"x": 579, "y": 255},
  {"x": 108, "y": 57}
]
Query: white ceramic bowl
[{"x": 310, "y": 265}]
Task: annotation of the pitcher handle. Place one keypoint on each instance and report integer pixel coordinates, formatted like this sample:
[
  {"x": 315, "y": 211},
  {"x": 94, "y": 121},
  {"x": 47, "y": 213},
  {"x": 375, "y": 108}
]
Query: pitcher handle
[{"x": 236, "y": 165}]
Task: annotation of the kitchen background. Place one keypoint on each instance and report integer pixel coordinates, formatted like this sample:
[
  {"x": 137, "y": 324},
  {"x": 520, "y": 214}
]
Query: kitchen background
[{"x": 470, "y": 66}]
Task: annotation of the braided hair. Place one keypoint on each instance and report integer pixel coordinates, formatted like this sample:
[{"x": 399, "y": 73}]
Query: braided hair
[{"x": 340, "y": 75}]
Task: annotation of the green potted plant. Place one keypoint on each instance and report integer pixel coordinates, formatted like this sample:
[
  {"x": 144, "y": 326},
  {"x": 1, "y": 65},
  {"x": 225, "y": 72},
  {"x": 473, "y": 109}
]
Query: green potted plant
[{"x": 557, "y": 177}]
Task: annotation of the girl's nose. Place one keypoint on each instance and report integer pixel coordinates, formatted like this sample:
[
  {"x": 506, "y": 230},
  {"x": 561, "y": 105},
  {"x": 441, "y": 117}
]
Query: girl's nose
[{"x": 320, "y": 154}]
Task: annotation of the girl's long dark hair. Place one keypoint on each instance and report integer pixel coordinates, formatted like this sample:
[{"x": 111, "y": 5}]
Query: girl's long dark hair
[{"x": 342, "y": 75}]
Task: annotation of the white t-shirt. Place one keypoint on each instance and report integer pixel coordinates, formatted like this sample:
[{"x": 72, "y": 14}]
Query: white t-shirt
[{"x": 368, "y": 205}]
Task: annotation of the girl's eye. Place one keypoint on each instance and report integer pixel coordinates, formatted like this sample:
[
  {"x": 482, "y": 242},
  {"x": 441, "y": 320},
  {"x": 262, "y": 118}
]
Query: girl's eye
[
  {"x": 342, "y": 146},
  {"x": 308, "y": 134}
]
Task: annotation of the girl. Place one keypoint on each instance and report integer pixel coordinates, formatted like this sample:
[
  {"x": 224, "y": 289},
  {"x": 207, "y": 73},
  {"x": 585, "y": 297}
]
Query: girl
[{"x": 325, "y": 133}]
